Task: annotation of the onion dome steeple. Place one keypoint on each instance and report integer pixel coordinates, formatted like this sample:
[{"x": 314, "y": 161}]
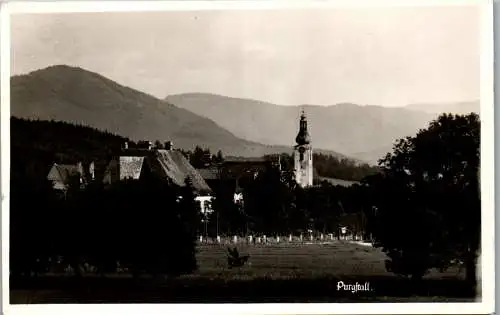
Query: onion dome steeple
[{"x": 303, "y": 137}]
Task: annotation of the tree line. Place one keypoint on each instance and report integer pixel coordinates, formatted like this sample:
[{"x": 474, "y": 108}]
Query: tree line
[
  {"x": 330, "y": 166},
  {"x": 273, "y": 204},
  {"x": 141, "y": 225},
  {"x": 202, "y": 157},
  {"x": 37, "y": 144}
]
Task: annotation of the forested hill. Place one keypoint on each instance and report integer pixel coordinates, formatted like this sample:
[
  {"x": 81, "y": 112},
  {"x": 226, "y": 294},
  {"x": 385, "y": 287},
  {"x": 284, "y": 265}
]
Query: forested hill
[{"x": 37, "y": 144}]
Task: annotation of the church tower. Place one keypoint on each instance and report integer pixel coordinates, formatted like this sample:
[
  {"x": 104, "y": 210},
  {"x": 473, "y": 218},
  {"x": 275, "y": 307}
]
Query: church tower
[{"x": 303, "y": 155}]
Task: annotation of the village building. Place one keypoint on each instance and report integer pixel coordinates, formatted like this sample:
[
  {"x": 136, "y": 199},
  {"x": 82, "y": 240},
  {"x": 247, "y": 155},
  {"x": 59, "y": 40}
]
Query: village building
[
  {"x": 306, "y": 176},
  {"x": 234, "y": 173},
  {"x": 63, "y": 176},
  {"x": 303, "y": 155},
  {"x": 168, "y": 163},
  {"x": 304, "y": 171}
]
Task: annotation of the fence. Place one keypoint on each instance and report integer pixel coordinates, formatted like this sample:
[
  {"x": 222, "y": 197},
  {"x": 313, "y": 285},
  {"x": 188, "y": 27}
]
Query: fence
[{"x": 274, "y": 240}]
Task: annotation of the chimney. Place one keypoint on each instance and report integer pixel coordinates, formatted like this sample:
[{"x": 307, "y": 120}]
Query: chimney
[
  {"x": 169, "y": 145},
  {"x": 125, "y": 145},
  {"x": 150, "y": 145}
]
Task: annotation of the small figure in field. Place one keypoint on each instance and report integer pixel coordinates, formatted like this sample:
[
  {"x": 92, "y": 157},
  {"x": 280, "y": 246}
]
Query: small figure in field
[{"x": 234, "y": 259}]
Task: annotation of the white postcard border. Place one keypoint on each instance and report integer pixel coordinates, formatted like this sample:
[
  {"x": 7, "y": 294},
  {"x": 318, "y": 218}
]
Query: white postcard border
[{"x": 487, "y": 164}]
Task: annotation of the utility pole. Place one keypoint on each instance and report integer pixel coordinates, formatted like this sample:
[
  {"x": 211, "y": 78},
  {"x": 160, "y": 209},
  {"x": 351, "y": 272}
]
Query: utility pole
[
  {"x": 217, "y": 227},
  {"x": 206, "y": 225}
]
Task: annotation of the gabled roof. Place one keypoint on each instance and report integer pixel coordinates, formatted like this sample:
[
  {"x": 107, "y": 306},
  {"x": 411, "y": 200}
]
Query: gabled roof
[
  {"x": 63, "y": 172},
  {"x": 169, "y": 164},
  {"x": 175, "y": 166}
]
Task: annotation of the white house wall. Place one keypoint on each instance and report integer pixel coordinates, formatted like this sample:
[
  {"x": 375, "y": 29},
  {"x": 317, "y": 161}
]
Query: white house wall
[
  {"x": 131, "y": 166},
  {"x": 205, "y": 203}
]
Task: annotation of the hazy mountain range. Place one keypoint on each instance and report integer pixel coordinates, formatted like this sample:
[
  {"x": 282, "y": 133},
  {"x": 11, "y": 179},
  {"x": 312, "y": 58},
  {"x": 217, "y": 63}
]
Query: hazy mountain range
[
  {"x": 364, "y": 132},
  {"x": 239, "y": 127},
  {"x": 70, "y": 94}
]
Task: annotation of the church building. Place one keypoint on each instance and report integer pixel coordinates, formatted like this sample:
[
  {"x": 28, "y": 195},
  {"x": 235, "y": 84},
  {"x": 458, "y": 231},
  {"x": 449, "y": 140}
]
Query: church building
[{"x": 303, "y": 155}]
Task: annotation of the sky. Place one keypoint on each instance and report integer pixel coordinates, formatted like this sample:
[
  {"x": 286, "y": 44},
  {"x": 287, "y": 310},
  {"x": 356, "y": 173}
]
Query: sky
[{"x": 384, "y": 56}]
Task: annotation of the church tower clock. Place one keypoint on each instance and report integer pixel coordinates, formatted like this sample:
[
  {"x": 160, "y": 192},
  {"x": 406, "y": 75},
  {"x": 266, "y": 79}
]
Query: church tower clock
[{"x": 303, "y": 155}]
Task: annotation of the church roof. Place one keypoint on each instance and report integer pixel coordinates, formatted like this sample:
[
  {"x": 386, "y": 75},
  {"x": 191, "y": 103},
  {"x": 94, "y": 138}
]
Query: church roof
[{"x": 303, "y": 136}]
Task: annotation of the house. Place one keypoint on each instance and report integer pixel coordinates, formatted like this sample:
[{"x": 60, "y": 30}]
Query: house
[
  {"x": 133, "y": 163},
  {"x": 239, "y": 168},
  {"x": 63, "y": 176},
  {"x": 234, "y": 173}
]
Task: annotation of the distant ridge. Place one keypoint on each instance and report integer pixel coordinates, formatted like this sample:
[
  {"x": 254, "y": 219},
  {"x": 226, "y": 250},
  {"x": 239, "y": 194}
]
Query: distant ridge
[
  {"x": 365, "y": 132},
  {"x": 75, "y": 95},
  {"x": 454, "y": 108}
]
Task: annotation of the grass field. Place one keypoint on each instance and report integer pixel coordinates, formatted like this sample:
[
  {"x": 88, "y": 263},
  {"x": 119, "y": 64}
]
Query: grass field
[
  {"x": 294, "y": 261},
  {"x": 275, "y": 273}
]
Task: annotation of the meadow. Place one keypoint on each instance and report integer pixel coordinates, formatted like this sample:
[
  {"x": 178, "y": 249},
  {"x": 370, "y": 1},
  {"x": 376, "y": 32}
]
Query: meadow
[{"x": 274, "y": 273}]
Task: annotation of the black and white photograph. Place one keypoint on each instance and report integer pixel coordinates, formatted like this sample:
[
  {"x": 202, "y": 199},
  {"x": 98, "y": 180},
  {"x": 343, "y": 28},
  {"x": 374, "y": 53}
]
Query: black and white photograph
[{"x": 249, "y": 154}]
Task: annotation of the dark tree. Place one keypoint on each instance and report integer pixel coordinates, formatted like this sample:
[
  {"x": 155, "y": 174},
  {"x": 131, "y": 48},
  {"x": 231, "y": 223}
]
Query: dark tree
[
  {"x": 228, "y": 217},
  {"x": 142, "y": 224},
  {"x": 219, "y": 158},
  {"x": 427, "y": 198},
  {"x": 32, "y": 229},
  {"x": 268, "y": 201},
  {"x": 159, "y": 145},
  {"x": 200, "y": 158}
]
